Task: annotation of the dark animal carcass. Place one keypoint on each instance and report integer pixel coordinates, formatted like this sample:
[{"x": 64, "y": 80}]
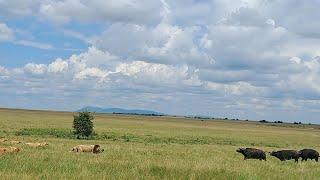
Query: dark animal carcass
[
  {"x": 252, "y": 153},
  {"x": 284, "y": 155},
  {"x": 306, "y": 154}
]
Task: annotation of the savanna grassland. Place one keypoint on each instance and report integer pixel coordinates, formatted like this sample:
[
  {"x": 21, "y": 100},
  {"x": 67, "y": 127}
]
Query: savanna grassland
[{"x": 140, "y": 147}]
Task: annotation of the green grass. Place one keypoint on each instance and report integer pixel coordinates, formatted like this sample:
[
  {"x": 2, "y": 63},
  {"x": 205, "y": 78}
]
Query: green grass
[{"x": 138, "y": 147}]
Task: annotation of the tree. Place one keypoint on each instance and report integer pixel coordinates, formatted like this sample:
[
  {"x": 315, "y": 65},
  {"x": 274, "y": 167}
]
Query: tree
[
  {"x": 264, "y": 121},
  {"x": 82, "y": 124}
]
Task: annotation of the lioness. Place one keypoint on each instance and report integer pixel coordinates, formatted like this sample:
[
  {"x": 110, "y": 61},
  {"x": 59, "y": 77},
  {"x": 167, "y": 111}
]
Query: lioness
[
  {"x": 37, "y": 144},
  {"x": 9, "y": 150}
]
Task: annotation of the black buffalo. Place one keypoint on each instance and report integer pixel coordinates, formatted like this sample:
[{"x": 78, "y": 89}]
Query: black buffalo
[
  {"x": 306, "y": 154},
  {"x": 284, "y": 155},
  {"x": 252, "y": 153}
]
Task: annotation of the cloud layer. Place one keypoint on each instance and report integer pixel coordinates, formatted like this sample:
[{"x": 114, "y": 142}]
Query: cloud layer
[{"x": 244, "y": 59}]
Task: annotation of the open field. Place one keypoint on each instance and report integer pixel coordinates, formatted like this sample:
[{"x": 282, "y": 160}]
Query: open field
[{"x": 138, "y": 147}]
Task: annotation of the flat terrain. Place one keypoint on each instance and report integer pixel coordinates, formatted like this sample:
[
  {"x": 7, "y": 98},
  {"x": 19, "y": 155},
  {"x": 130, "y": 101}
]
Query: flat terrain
[{"x": 139, "y": 147}]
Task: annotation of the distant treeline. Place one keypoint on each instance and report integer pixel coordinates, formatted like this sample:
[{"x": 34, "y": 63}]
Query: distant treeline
[
  {"x": 198, "y": 117},
  {"x": 139, "y": 114},
  {"x": 261, "y": 121},
  {"x": 265, "y": 121},
  {"x": 202, "y": 118}
]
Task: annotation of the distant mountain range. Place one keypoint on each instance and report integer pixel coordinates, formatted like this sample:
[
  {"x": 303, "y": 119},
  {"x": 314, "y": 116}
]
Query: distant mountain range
[{"x": 120, "y": 110}]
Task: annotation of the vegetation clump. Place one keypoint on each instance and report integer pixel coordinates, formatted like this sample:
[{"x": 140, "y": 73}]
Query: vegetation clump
[{"x": 264, "y": 121}]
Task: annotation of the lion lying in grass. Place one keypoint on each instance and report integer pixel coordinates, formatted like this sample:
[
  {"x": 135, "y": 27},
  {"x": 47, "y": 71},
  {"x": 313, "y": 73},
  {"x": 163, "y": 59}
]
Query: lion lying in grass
[
  {"x": 11, "y": 142},
  {"x": 15, "y": 142},
  {"x": 9, "y": 150},
  {"x": 88, "y": 148},
  {"x": 37, "y": 144}
]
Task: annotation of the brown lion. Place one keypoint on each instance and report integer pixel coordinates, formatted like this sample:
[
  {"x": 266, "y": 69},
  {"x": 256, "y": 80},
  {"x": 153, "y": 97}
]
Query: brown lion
[
  {"x": 9, "y": 150},
  {"x": 88, "y": 148},
  {"x": 15, "y": 142}
]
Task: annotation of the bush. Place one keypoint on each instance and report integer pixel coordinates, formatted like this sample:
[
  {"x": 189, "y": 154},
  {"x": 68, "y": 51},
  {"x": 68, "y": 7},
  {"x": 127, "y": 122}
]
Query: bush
[
  {"x": 278, "y": 122},
  {"x": 83, "y": 125},
  {"x": 264, "y": 121}
]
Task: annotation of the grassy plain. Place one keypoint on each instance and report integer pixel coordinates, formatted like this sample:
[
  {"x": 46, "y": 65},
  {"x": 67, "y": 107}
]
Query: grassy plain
[{"x": 139, "y": 147}]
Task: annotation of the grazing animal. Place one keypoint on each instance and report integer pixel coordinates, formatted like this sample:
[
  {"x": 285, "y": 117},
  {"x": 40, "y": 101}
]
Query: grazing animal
[
  {"x": 284, "y": 155},
  {"x": 9, "y": 150},
  {"x": 306, "y": 154},
  {"x": 37, "y": 144},
  {"x": 88, "y": 148},
  {"x": 252, "y": 153}
]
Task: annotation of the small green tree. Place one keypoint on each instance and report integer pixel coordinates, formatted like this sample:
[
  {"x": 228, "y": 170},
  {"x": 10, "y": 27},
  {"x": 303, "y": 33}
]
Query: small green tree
[{"x": 83, "y": 124}]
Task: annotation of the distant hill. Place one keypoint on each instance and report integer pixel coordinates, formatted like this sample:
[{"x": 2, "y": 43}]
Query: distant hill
[{"x": 120, "y": 111}]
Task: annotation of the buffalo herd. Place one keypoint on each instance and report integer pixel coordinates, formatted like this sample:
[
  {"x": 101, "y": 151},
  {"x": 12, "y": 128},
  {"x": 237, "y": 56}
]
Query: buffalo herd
[{"x": 282, "y": 155}]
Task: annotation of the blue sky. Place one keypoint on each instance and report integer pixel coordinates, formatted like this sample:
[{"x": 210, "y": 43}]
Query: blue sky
[{"x": 248, "y": 59}]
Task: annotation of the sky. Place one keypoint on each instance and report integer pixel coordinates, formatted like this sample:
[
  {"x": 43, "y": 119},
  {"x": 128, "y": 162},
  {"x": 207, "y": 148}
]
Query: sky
[{"x": 246, "y": 59}]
